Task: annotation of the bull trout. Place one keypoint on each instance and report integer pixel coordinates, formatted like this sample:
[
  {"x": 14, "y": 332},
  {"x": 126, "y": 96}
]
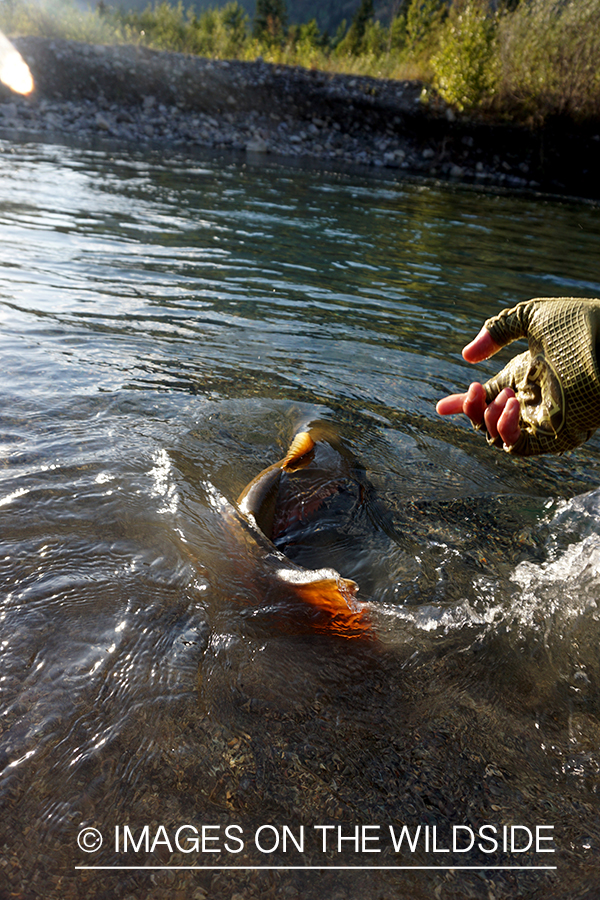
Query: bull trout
[{"x": 324, "y": 593}]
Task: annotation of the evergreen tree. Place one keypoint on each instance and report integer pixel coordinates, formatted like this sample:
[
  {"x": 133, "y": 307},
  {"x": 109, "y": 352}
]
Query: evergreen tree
[
  {"x": 352, "y": 43},
  {"x": 423, "y": 18},
  {"x": 270, "y": 20}
]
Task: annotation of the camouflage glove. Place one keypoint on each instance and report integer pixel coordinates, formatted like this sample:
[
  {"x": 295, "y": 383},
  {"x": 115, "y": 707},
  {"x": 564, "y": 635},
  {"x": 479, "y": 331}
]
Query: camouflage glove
[{"x": 557, "y": 381}]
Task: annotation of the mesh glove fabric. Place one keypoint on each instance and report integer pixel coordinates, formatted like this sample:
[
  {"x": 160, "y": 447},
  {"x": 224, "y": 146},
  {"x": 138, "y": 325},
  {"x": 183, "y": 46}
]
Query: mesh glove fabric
[{"x": 556, "y": 381}]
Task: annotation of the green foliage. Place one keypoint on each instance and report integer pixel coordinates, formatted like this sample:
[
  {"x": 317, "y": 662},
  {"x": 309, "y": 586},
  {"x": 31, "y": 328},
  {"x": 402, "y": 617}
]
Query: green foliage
[
  {"x": 465, "y": 66},
  {"x": 550, "y": 58},
  {"x": 397, "y": 34},
  {"x": 310, "y": 38},
  {"x": 423, "y": 20},
  {"x": 352, "y": 43},
  {"x": 270, "y": 20},
  {"x": 163, "y": 26},
  {"x": 215, "y": 32},
  {"x": 375, "y": 42},
  {"x": 57, "y": 20},
  {"x": 235, "y": 23},
  {"x": 339, "y": 35}
]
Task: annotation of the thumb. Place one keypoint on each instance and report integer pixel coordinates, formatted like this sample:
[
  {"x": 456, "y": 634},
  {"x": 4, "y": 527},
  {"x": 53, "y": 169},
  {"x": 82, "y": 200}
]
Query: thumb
[{"x": 482, "y": 347}]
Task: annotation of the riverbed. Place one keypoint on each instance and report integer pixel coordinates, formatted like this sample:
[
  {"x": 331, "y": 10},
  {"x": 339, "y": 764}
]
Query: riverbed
[{"x": 168, "y": 322}]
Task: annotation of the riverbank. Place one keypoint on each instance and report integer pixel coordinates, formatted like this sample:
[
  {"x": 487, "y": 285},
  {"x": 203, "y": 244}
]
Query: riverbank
[{"x": 133, "y": 94}]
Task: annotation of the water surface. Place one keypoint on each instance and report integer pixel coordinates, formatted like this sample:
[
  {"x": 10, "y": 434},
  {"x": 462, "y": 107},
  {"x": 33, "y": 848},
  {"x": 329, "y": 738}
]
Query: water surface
[{"x": 167, "y": 325}]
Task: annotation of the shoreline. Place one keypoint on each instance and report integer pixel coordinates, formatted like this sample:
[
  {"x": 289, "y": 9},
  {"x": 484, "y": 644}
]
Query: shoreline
[{"x": 135, "y": 95}]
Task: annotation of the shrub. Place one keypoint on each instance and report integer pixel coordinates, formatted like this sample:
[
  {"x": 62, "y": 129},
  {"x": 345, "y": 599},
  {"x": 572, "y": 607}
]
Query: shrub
[
  {"x": 465, "y": 67},
  {"x": 221, "y": 33},
  {"x": 423, "y": 21},
  {"x": 550, "y": 58},
  {"x": 235, "y": 26},
  {"x": 58, "y": 20},
  {"x": 397, "y": 34}
]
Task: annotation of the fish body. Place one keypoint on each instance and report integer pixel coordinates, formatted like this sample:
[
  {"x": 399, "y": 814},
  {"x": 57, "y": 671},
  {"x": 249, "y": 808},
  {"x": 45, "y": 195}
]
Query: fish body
[
  {"x": 258, "y": 500},
  {"x": 325, "y": 591}
]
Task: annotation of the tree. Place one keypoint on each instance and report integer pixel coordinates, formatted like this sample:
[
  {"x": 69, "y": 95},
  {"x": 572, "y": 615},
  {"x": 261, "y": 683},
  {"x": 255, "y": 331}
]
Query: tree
[
  {"x": 466, "y": 64},
  {"x": 234, "y": 21},
  {"x": 270, "y": 20},
  {"x": 423, "y": 19},
  {"x": 352, "y": 42}
]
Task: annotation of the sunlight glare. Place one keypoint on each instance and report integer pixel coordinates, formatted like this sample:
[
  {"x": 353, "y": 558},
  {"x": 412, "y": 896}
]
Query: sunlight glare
[{"x": 14, "y": 71}]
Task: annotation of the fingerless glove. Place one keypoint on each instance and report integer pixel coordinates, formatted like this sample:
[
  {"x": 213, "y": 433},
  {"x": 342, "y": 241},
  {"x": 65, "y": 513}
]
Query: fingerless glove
[{"x": 556, "y": 381}]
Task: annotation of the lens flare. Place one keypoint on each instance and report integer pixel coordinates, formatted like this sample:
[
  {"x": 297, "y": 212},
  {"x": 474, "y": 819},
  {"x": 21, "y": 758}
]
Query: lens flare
[{"x": 14, "y": 71}]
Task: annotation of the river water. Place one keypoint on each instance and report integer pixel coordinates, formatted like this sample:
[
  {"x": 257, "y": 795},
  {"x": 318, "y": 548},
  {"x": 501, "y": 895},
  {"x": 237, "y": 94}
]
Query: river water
[{"x": 167, "y": 325}]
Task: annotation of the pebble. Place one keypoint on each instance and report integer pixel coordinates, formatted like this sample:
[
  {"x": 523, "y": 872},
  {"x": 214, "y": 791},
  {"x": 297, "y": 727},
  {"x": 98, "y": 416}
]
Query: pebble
[
  {"x": 102, "y": 122},
  {"x": 256, "y": 145}
]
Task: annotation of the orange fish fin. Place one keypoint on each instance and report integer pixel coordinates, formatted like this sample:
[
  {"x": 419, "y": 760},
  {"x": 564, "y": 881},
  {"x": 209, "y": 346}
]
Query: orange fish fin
[
  {"x": 300, "y": 446},
  {"x": 332, "y": 595}
]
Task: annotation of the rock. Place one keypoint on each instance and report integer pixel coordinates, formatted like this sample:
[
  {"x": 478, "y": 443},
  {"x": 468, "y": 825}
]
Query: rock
[
  {"x": 102, "y": 122},
  {"x": 256, "y": 145},
  {"x": 9, "y": 110}
]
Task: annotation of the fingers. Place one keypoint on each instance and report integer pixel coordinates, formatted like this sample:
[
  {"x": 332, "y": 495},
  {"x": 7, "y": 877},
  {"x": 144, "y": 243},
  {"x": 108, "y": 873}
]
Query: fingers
[
  {"x": 481, "y": 347},
  {"x": 475, "y": 403},
  {"x": 508, "y": 423},
  {"x": 502, "y": 417},
  {"x": 472, "y": 404},
  {"x": 449, "y": 406}
]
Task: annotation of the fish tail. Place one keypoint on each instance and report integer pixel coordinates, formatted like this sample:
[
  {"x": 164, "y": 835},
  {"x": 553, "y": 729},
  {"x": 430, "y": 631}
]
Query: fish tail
[{"x": 300, "y": 446}]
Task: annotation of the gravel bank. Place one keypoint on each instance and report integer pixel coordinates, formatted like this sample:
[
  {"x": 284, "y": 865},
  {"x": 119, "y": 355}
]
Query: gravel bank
[{"x": 137, "y": 95}]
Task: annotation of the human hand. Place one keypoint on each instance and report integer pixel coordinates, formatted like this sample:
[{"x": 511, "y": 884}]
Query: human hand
[
  {"x": 546, "y": 400},
  {"x": 501, "y": 417}
]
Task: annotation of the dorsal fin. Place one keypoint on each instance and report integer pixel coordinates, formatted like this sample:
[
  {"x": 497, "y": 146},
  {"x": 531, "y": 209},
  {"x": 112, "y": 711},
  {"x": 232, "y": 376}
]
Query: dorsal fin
[{"x": 300, "y": 446}]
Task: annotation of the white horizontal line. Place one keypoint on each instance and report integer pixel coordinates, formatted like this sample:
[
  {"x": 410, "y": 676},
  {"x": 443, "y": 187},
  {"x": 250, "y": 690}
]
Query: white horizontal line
[{"x": 290, "y": 868}]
